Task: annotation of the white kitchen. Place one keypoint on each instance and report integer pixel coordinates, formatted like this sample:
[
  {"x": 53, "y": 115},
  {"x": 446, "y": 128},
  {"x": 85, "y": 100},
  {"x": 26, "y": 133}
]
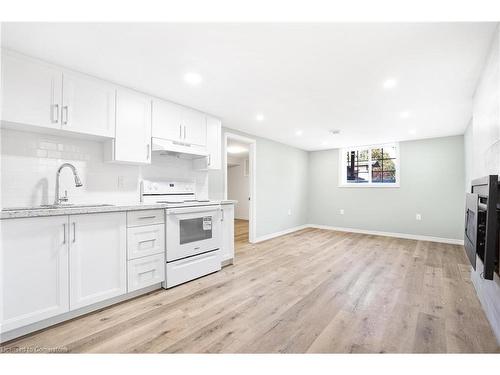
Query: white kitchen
[{"x": 247, "y": 188}]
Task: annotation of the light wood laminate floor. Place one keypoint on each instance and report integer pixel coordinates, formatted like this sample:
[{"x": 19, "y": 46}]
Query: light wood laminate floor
[
  {"x": 312, "y": 291},
  {"x": 240, "y": 232}
]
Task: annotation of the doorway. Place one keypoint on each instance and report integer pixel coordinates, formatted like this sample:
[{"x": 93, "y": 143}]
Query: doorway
[{"x": 239, "y": 183}]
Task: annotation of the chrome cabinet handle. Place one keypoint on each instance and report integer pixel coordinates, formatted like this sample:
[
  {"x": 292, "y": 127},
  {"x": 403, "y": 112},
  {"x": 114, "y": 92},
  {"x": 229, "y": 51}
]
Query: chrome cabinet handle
[
  {"x": 74, "y": 232},
  {"x": 180, "y": 131},
  {"x": 184, "y": 131},
  {"x": 54, "y": 110},
  {"x": 64, "y": 231},
  {"x": 150, "y": 240},
  {"x": 209, "y": 160},
  {"x": 147, "y": 151},
  {"x": 152, "y": 270},
  {"x": 222, "y": 213},
  {"x": 65, "y": 114},
  {"x": 146, "y": 217}
]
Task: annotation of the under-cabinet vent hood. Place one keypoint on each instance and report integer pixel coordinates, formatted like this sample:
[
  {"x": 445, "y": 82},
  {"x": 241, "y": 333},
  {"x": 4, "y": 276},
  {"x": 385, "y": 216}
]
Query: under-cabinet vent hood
[{"x": 182, "y": 150}]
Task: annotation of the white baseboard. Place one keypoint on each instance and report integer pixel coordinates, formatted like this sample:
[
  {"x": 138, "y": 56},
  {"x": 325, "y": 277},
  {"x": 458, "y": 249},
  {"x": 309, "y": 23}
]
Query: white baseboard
[
  {"x": 280, "y": 233},
  {"x": 418, "y": 237}
]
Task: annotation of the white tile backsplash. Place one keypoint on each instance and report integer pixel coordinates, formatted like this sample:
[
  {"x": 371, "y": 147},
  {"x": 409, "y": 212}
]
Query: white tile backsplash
[{"x": 29, "y": 162}]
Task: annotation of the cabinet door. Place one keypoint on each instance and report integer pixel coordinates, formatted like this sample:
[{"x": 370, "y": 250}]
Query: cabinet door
[
  {"x": 167, "y": 120},
  {"x": 88, "y": 105},
  {"x": 146, "y": 271},
  {"x": 31, "y": 92},
  {"x": 34, "y": 270},
  {"x": 214, "y": 126},
  {"x": 194, "y": 127},
  {"x": 133, "y": 127},
  {"x": 227, "y": 232},
  {"x": 98, "y": 257}
]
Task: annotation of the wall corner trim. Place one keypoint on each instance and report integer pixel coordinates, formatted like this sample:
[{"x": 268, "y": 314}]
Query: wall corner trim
[{"x": 280, "y": 233}]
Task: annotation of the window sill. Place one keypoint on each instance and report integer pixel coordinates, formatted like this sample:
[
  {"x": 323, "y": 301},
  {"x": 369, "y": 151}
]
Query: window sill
[{"x": 369, "y": 185}]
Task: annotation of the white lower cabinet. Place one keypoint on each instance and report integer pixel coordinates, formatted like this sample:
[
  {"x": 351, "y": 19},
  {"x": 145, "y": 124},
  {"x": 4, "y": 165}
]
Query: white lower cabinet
[
  {"x": 227, "y": 232},
  {"x": 145, "y": 248},
  {"x": 143, "y": 272},
  {"x": 98, "y": 257},
  {"x": 144, "y": 241},
  {"x": 34, "y": 270}
]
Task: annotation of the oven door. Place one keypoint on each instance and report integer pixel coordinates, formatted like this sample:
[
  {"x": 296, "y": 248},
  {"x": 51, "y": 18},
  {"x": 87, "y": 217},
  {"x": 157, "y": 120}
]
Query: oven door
[
  {"x": 192, "y": 230},
  {"x": 471, "y": 227}
]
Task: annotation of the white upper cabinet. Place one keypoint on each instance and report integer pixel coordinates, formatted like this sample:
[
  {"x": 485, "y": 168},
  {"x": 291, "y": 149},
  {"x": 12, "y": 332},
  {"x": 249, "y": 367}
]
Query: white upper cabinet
[
  {"x": 179, "y": 124},
  {"x": 167, "y": 120},
  {"x": 214, "y": 129},
  {"x": 31, "y": 92},
  {"x": 39, "y": 95},
  {"x": 88, "y": 105},
  {"x": 132, "y": 143},
  {"x": 98, "y": 257},
  {"x": 34, "y": 270},
  {"x": 42, "y": 95},
  {"x": 194, "y": 127}
]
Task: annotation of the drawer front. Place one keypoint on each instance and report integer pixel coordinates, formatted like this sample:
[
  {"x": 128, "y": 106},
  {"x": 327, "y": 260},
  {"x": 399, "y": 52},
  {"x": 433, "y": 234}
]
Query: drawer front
[
  {"x": 186, "y": 269},
  {"x": 145, "y": 217},
  {"x": 145, "y": 240},
  {"x": 146, "y": 271}
]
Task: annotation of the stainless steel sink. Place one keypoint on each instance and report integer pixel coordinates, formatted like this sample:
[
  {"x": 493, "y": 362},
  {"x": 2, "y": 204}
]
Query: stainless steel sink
[{"x": 55, "y": 207}]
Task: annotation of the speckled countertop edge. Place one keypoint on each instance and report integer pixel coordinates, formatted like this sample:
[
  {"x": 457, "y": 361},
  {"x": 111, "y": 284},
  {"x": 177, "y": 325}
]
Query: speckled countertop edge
[{"x": 40, "y": 212}]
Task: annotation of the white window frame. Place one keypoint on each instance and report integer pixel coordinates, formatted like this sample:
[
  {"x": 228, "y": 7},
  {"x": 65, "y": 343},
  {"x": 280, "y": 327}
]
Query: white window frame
[{"x": 343, "y": 172}]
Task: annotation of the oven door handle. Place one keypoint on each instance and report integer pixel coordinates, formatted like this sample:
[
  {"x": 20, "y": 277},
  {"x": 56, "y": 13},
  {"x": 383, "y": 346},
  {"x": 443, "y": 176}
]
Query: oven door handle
[{"x": 189, "y": 210}]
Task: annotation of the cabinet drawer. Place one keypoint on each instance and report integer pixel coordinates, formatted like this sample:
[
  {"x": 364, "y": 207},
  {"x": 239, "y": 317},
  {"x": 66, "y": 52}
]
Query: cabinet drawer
[
  {"x": 145, "y": 217},
  {"x": 146, "y": 271},
  {"x": 186, "y": 269},
  {"x": 145, "y": 240}
]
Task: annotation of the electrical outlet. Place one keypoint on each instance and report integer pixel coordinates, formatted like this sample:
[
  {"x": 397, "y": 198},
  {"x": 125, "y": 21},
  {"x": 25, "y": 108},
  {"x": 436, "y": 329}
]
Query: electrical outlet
[
  {"x": 418, "y": 217},
  {"x": 341, "y": 211},
  {"x": 121, "y": 182},
  {"x": 289, "y": 212}
]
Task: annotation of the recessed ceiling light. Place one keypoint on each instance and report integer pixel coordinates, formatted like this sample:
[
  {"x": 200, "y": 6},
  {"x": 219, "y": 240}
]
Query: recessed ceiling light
[
  {"x": 404, "y": 114},
  {"x": 193, "y": 78},
  {"x": 236, "y": 149},
  {"x": 335, "y": 131},
  {"x": 412, "y": 131},
  {"x": 390, "y": 83},
  {"x": 259, "y": 117},
  {"x": 298, "y": 132}
]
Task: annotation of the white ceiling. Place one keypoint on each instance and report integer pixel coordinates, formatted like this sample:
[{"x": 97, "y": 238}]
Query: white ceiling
[{"x": 307, "y": 77}]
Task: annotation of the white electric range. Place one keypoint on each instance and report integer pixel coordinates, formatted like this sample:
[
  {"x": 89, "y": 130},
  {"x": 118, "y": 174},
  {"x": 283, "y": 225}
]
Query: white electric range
[{"x": 192, "y": 230}]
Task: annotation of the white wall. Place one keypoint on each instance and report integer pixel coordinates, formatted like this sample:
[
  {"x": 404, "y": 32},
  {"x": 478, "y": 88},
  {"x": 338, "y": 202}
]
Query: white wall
[
  {"x": 482, "y": 151},
  {"x": 281, "y": 184},
  {"x": 29, "y": 162},
  {"x": 431, "y": 184},
  {"x": 238, "y": 188}
]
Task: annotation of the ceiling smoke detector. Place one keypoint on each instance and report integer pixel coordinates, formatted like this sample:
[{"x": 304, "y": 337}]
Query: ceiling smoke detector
[{"x": 335, "y": 131}]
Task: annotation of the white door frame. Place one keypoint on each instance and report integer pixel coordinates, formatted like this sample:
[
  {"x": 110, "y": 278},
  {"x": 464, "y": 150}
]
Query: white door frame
[{"x": 252, "y": 158}]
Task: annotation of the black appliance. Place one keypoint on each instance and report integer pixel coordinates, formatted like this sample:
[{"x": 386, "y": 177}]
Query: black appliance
[{"x": 481, "y": 224}]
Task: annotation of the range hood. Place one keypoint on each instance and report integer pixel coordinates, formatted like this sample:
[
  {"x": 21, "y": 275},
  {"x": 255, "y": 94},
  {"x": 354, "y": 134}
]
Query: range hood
[{"x": 179, "y": 149}]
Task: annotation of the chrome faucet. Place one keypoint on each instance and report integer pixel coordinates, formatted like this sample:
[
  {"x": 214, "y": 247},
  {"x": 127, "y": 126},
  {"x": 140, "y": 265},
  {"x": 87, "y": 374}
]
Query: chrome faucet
[{"x": 78, "y": 183}]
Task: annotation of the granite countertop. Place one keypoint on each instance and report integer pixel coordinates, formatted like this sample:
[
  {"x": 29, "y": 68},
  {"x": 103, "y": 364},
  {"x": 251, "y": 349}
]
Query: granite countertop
[{"x": 12, "y": 213}]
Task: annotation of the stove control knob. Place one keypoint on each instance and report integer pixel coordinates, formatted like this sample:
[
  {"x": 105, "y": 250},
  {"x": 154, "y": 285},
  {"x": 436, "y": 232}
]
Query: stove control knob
[{"x": 155, "y": 187}]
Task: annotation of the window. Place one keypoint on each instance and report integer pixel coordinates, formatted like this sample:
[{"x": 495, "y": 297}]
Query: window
[{"x": 370, "y": 166}]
